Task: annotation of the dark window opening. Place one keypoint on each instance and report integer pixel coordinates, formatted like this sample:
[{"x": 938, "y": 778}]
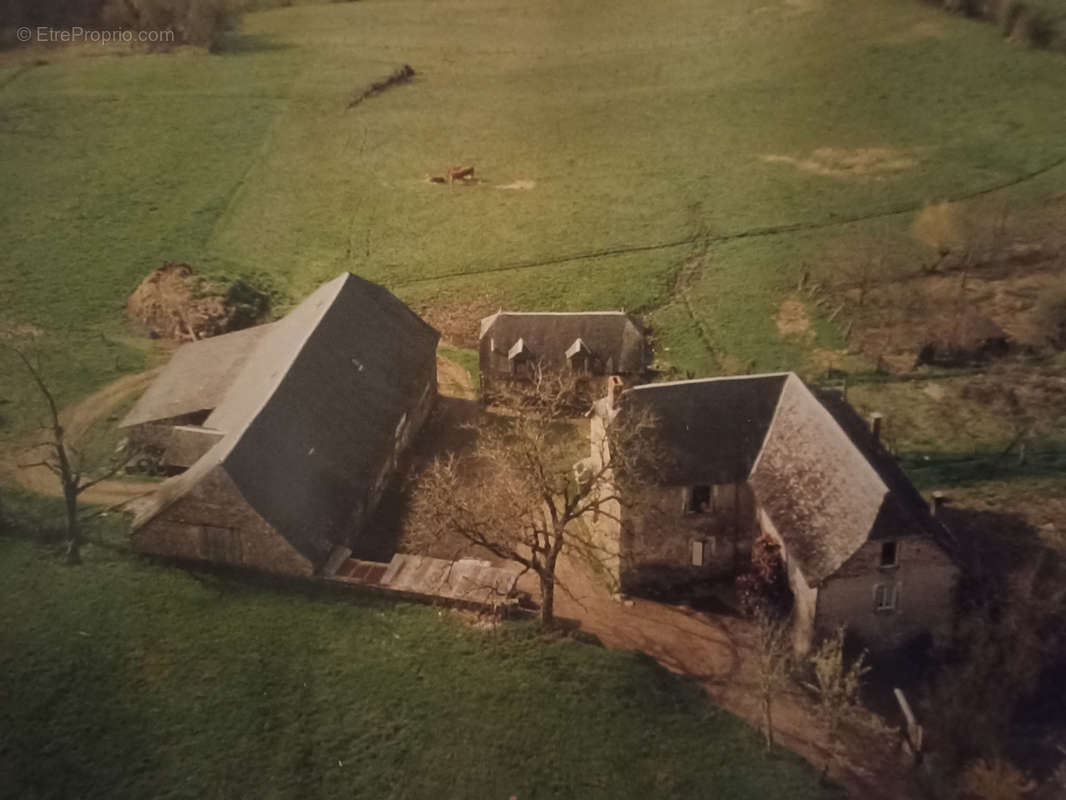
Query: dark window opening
[
  {"x": 890, "y": 554},
  {"x": 699, "y": 500}
]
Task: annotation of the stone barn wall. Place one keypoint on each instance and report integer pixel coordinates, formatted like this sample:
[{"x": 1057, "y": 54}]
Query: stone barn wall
[
  {"x": 213, "y": 523},
  {"x": 157, "y": 432}
]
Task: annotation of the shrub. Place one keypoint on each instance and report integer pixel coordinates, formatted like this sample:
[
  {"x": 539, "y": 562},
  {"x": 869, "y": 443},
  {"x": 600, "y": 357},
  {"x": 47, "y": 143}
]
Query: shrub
[
  {"x": 995, "y": 780},
  {"x": 1051, "y": 316},
  {"x": 1033, "y": 27},
  {"x": 196, "y": 22},
  {"x": 968, "y": 8}
]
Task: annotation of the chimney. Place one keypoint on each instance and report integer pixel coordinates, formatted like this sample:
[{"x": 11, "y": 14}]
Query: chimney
[
  {"x": 614, "y": 391},
  {"x": 939, "y": 500},
  {"x": 875, "y": 425}
]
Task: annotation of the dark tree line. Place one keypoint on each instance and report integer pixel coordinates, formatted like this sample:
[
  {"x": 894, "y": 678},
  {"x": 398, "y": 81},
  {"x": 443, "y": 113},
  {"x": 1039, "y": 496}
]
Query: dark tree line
[{"x": 197, "y": 22}]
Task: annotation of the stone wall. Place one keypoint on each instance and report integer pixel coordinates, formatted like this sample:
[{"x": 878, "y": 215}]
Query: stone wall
[
  {"x": 658, "y": 537},
  {"x": 213, "y": 523},
  {"x": 157, "y": 432},
  {"x": 922, "y": 585}
]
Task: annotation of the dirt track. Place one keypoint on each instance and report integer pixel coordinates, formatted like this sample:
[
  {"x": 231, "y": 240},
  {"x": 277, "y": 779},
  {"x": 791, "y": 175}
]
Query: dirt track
[
  {"x": 716, "y": 651},
  {"x": 76, "y": 420}
]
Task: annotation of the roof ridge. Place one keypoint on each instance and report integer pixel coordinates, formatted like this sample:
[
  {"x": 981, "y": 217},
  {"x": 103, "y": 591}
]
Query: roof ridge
[
  {"x": 232, "y": 437},
  {"x": 770, "y": 427}
]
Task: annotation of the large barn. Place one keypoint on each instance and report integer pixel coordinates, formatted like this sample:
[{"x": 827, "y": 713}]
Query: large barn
[
  {"x": 764, "y": 455},
  {"x": 287, "y": 432}
]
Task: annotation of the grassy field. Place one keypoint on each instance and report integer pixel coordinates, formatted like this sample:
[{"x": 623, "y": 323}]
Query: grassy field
[
  {"x": 120, "y": 679},
  {"x": 689, "y": 161}
]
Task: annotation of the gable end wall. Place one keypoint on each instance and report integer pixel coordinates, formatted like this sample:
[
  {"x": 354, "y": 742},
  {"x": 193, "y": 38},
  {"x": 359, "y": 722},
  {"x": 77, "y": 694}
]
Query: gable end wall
[
  {"x": 213, "y": 523},
  {"x": 926, "y": 577}
]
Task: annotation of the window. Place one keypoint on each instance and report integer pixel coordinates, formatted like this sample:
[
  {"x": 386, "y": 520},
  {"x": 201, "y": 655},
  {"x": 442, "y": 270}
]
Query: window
[
  {"x": 699, "y": 500},
  {"x": 697, "y": 553},
  {"x": 886, "y": 597},
  {"x": 890, "y": 554},
  {"x": 702, "y": 551}
]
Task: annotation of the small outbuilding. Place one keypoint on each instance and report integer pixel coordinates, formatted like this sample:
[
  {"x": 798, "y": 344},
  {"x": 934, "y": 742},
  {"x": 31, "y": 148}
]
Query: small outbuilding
[{"x": 590, "y": 343}]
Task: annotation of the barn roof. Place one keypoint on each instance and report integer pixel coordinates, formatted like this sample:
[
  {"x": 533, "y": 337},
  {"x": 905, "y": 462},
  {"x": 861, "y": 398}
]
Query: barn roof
[
  {"x": 196, "y": 377},
  {"x": 825, "y": 483},
  {"x": 311, "y": 418},
  {"x": 607, "y": 335}
]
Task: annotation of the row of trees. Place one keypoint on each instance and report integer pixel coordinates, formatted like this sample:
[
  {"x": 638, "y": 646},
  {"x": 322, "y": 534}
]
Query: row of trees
[{"x": 195, "y": 22}]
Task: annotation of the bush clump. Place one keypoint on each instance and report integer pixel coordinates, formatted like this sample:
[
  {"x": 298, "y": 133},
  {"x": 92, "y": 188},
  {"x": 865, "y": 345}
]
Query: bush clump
[
  {"x": 195, "y": 22},
  {"x": 1017, "y": 21}
]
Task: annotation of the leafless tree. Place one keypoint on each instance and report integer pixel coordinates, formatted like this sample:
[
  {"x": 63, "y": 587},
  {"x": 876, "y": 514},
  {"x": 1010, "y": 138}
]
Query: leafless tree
[
  {"x": 519, "y": 495},
  {"x": 773, "y": 653},
  {"x": 76, "y": 470}
]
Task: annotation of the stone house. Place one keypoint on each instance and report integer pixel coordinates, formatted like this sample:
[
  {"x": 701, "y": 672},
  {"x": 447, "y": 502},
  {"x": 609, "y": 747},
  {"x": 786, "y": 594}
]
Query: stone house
[
  {"x": 592, "y": 343},
  {"x": 284, "y": 436},
  {"x": 765, "y": 455}
]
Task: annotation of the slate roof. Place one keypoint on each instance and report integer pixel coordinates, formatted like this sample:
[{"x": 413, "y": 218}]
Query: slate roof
[
  {"x": 814, "y": 467},
  {"x": 310, "y": 419},
  {"x": 712, "y": 429},
  {"x": 610, "y": 335},
  {"x": 196, "y": 377}
]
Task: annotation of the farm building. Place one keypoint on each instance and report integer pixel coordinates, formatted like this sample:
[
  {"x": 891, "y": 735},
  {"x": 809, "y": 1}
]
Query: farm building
[
  {"x": 288, "y": 432},
  {"x": 763, "y": 455},
  {"x": 510, "y": 344}
]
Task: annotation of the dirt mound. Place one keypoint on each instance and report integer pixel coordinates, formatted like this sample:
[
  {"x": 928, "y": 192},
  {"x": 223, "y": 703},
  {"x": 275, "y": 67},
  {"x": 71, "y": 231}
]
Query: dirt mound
[
  {"x": 175, "y": 303},
  {"x": 792, "y": 318}
]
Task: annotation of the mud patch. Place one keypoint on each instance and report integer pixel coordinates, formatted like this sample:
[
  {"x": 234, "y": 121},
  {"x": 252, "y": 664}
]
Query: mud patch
[
  {"x": 934, "y": 391},
  {"x": 20, "y": 331},
  {"x": 459, "y": 322},
  {"x": 791, "y": 319},
  {"x": 824, "y": 361},
  {"x": 803, "y": 6},
  {"x": 864, "y": 163}
]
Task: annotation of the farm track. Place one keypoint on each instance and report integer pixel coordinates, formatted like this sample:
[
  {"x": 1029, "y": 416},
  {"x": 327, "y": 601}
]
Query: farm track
[
  {"x": 689, "y": 274},
  {"x": 76, "y": 420},
  {"x": 750, "y": 233}
]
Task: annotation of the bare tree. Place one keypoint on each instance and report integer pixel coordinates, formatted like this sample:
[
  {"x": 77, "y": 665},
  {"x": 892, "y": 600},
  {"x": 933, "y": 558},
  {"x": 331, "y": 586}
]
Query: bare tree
[
  {"x": 75, "y": 470},
  {"x": 773, "y": 652},
  {"x": 835, "y": 688},
  {"x": 519, "y": 494}
]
